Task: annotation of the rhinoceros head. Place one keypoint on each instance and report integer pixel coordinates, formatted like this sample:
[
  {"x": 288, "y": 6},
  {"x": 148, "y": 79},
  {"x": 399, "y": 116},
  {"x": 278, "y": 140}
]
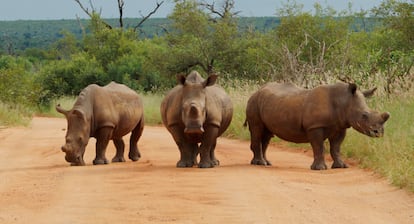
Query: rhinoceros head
[
  {"x": 193, "y": 107},
  {"x": 361, "y": 117},
  {"x": 77, "y": 135}
]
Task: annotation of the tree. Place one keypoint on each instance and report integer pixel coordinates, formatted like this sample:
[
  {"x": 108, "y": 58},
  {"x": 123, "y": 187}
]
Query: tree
[
  {"x": 199, "y": 38},
  {"x": 121, "y": 4},
  {"x": 311, "y": 45},
  {"x": 395, "y": 41}
]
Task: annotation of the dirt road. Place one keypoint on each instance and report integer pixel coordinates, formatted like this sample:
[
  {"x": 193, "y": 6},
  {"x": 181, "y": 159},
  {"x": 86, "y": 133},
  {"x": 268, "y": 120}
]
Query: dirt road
[{"x": 38, "y": 186}]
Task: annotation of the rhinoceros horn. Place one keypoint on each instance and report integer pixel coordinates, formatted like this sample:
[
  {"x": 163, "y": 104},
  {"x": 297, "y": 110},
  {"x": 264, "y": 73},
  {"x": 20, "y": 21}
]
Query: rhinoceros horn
[{"x": 61, "y": 110}]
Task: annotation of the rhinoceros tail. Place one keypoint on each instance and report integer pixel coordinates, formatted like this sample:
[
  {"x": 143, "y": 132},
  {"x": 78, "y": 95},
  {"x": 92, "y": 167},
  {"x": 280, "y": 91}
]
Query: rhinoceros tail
[{"x": 245, "y": 123}]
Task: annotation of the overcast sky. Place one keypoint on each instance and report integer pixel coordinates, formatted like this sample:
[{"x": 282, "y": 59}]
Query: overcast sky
[{"x": 69, "y": 9}]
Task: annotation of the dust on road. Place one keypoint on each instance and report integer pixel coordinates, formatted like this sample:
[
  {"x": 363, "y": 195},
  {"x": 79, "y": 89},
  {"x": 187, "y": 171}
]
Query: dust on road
[{"x": 38, "y": 186}]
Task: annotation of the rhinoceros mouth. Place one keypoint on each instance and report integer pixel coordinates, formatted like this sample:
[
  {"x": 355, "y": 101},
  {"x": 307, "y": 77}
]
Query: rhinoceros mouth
[
  {"x": 374, "y": 133},
  {"x": 76, "y": 160},
  {"x": 194, "y": 130}
]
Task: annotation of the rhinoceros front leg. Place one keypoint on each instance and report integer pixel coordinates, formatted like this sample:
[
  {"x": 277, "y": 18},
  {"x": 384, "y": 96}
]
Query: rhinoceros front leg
[
  {"x": 207, "y": 147},
  {"x": 335, "y": 148},
  {"x": 103, "y": 136},
  {"x": 216, "y": 162},
  {"x": 188, "y": 154},
  {"x": 316, "y": 140},
  {"x": 120, "y": 148}
]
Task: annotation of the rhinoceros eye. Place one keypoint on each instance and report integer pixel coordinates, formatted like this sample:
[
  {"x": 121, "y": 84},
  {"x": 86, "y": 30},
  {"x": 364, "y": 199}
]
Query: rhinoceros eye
[
  {"x": 365, "y": 116},
  {"x": 80, "y": 139}
]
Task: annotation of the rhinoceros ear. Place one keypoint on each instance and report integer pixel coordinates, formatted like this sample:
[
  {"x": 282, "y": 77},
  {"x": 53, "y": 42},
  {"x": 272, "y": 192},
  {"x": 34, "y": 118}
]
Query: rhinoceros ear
[
  {"x": 211, "y": 80},
  {"x": 79, "y": 114},
  {"x": 352, "y": 88},
  {"x": 61, "y": 110},
  {"x": 181, "y": 79},
  {"x": 369, "y": 93},
  {"x": 385, "y": 116}
]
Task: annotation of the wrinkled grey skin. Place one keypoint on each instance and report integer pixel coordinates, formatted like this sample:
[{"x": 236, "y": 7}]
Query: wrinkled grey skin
[
  {"x": 299, "y": 115},
  {"x": 105, "y": 113},
  {"x": 196, "y": 111}
]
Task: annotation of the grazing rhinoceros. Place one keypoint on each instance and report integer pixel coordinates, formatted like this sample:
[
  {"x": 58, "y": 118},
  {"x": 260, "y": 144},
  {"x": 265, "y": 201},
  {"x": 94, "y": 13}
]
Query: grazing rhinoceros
[
  {"x": 196, "y": 111},
  {"x": 105, "y": 113},
  {"x": 299, "y": 115}
]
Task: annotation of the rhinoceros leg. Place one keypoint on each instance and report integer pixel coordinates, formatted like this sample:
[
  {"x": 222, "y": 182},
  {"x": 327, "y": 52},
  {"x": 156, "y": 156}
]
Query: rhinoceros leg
[
  {"x": 256, "y": 139},
  {"x": 317, "y": 142},
  {"x": 335, "y": 148},
  {"x": 134, "y": 153},
  {"x": 265, "y": 143},
  {"x": 188, "y": 150},
  {"x": 102, "y": 139},
  {"x": 207, "y": 147},
  {"x": 188, "y": 153},
  {"x": 120, "y": 147},
  {"x": 216, "y": 162}
]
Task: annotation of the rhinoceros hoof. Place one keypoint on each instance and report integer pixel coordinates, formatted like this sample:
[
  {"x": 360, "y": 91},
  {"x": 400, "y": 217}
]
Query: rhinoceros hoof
[
  {"x": 134, "y": 158},
  {"x": 261, "y": 162},
  {"x": 319, "y": 166},
  {"x": 216, "y": 162},
  {"x": 183, "y": 163},
  {"x": 339, "y": 165},
  {"x": 118, "y": 159},
  {"x": 100, "y": 161},
  {"x": 206, "y": 164}
]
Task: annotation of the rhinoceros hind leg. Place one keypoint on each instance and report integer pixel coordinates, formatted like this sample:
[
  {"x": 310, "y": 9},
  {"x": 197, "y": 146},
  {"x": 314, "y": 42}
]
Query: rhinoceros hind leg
[
  {"x": 134, "y": 153},
  {"x": 120, "y": 146}
]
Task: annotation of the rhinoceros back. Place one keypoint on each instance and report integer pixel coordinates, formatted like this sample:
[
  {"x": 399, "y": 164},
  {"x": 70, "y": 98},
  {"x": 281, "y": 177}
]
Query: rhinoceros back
[{"x": 115, "y": 105}]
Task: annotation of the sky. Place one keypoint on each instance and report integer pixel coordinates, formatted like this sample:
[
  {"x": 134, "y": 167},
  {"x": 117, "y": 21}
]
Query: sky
[{"x": 69, "y": 9}]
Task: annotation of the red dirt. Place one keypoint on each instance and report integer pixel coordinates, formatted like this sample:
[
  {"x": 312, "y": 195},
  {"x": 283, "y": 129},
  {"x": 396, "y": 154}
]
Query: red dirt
[{"x": 38, "y": 186}]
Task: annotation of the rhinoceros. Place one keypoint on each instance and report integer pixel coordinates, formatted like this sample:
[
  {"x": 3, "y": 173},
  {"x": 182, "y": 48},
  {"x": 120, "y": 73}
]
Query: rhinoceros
[
  {"x": 310, "y": 116},
  {"x": 105, "y": 113},
  {"x": 196, "y": 111}
]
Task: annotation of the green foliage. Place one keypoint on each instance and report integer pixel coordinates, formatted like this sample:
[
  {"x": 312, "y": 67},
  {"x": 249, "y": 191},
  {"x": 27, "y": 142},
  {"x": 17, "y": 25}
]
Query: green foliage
[
  {"x": 152, "y": 113},
  {"x": 16, "y": 83},
  {"x": 69, "y": 77},
  {"x": 200, "y": 39},
  {"x": 398, "y": 16},
  {"x": 14, "y": 114}
]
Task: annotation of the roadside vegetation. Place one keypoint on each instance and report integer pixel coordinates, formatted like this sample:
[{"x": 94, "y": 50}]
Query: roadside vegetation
[{"x": 369, "y": 48}]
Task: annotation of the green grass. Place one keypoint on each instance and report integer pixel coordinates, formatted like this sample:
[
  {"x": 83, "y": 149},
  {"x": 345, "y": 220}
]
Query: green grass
[
  {"x": 65, "y": 102},
  {"x": 14, "y": 115},
  {"x": 152, "y": 114},
  {"x": 393, "y": 155}
]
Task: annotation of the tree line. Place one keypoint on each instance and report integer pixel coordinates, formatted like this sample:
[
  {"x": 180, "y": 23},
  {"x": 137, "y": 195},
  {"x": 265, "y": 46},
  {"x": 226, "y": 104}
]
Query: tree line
[{"x": 304, "y": 48}]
